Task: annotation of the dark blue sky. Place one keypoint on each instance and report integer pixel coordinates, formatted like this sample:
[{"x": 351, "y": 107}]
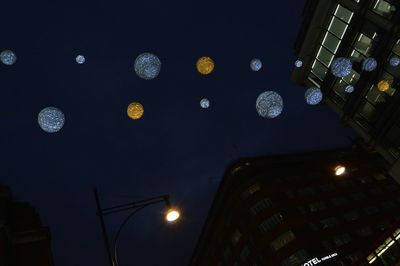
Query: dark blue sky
[{"x": 177, "y": 148}]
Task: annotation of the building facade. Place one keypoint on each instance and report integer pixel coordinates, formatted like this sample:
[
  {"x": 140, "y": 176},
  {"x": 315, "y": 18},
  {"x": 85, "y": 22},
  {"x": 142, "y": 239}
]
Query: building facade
[
  {"x": 294, "y": 210},
  {"x": 23, "y": 240},
  {"x": 356, "y": 29}
]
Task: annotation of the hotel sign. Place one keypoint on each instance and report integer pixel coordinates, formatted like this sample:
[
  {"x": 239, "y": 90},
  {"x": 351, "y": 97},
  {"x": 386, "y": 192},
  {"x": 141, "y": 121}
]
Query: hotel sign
[{"x": 316, "y": 260}]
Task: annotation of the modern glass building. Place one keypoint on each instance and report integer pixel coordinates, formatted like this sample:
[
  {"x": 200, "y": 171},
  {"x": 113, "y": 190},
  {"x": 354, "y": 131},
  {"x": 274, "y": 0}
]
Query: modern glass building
[
  {"x": 302, "y": 209},
  {"x": 369, "y": 102}
]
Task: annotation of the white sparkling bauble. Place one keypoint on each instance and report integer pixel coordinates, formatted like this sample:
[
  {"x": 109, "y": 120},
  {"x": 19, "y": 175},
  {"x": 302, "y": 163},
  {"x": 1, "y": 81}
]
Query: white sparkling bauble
[
  {"x": 269, "y": 104},
  {"x": 51, "y": 119},
  {"x": 147, "y": 66},
  {"x": 313, "y": 96},
  {"x": 369, "y": 64},
  {"x": 8, "y": 57},
  {"x": 205, "y": 103},
  {"x": 341, "y": 67},
  {"x": 349, "y": 88},
  {"x": 80, "y": 59},
  {"x": 298, "y": 63},
  {"x": 394, "y": 61},
  {"x": 255, "y": 64}
]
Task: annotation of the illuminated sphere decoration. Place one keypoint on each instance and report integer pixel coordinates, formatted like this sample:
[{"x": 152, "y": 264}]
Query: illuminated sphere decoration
[
  {"x": 205, "y": 65},
  {"x": 341, "y": 67},
  {"x": 8, "y": 57},
  {"x": 205, "y": 103},
  {"x": 51, "y": 119},
  {"x": 349, "y": 88},
  {"x": 383, "y": 85},
  {"x": 135, "y": 110},
  {"x": 255, "y": 64},
  {"x": 147, "y": 66},
  {"x": 269, "y": 104},
  {"x": 394, "y": 61},
  {"x": 369, "y": 64},
  {"x": 313, "y": 96},
  {"x": 80, "y": 59},
  {"x": 298, "y": 63}
]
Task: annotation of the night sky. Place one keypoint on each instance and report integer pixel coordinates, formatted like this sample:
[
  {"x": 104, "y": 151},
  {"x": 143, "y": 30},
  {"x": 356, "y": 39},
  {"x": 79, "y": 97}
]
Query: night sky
[{"x": 177, "y": 148}]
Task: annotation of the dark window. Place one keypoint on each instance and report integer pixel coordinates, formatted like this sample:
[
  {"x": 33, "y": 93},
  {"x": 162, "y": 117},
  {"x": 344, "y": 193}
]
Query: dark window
[
  {"x": 364, "y": 231},
  {"x": 282, "y": 240},
  {"x": 250, "y": 191},
  {"x": 295, "y": 259},
  {"x": 351, "y": 216},
  {"x": 392, "y": 187},
  {"x": 305, "y": 191},
  {"x": 327, "y": 187},
  {"x": 260, "y": 206},
  {"x": 270, "y": 223},
  {"x": 371, "y": 210},
  {"x": 329, "y": 222},
  {"x": 388, "y": 204},
  {"x": 338, "y": 201},
  {"x": 376, "y": 191},
  {"x": 245, "y": 253},
  {"x": 358, "y": 196},
  {"x": 341, "y": 240},
  {"x": 316, "y": 206}
]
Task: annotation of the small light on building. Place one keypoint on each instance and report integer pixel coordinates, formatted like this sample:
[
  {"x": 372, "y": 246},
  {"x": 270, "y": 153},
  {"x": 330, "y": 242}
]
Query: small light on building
[{"x": 340, "y": 170}]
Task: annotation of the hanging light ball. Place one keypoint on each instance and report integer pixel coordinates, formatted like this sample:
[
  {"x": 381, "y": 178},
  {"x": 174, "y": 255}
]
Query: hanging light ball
[
  {"x": 383, "y": 85},
  {"x": 369, "y": 64},
  {"x": 8, "y": 57},
  {"x": 313, "y": 96},
  {"x": 349, "y": 88},
  {"x": 394, "y": 61},
  {"x": 298, "y": 63},
  {"x": 135, "y": 110},
  {"x": 255, "y": 64},
  {"x": 51, "y": 119},
  {"x": 269, "y": 104},
  {"x": 147, "y": 66},
  {"x": 341, "y": 67},
  {"x": 80, "y": 59},
  {"x": 205, "y": 103},
  {"x": 205, "y": 65}
]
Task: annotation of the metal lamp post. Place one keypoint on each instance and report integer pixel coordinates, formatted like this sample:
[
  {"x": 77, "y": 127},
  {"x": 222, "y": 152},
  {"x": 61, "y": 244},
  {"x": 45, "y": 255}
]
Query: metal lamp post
[{"x": 171, "y": 215}]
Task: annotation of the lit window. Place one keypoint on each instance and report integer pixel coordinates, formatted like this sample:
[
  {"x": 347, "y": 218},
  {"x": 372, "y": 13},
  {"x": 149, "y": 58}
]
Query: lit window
[
  {"x": 236, "y": 237},
  {"x": 384, "y": 8},
  {"x": 331, "y": 42},
  {"x": 364, "y": 45},
  {"x": 319, "y": 70},
  {"x": 282, "y": 240},
  {"x": 260, "y": 206},
  {"x": 270, "y": 223},
  {"x": 343, "y": 13},
  {"x": 324, "y": 56},
  {"x": 337, "y": 27}
]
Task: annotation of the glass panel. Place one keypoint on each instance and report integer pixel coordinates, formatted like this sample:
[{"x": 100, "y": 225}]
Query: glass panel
[
  {"x": 319, "y": 70},
  {"x": 344, "y": 14},
  {"x": 375, "y": 97},
  {"x": 339, "y": 89},
  {"x": 396, "y": 48},
  {"x": 371, "y": 30},
  {"x": 314, "y": 80},
  {"x": 356, "y": 56},
  {"x": 331, "y": 42},
  {"x": 364, "y": 45},
  {"x": 337, "y": 27},
  {"x": 384, "y": 8},
  {"x": 367, "y": 110},
  {"x": 325, "y": 56},
  {"x": 352, "y": 78}
]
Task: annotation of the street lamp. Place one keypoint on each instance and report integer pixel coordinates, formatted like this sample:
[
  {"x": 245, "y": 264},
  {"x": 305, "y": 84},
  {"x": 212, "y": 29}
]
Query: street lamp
[
  {"x": 171, "y": 215},
  {"x": 340, "y": 170}
]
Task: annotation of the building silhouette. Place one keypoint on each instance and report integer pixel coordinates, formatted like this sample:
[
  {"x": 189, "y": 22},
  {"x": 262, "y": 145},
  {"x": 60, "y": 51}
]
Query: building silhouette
[
  {"x": 294, "y": 210},
  {"x": 356, "y": 29},
  {"x": 23, "y": 240}
]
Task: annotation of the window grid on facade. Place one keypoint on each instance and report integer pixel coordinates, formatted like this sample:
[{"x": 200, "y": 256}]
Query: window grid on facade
[
  {"x": 341, "y": 240},
  {"x": 282, "y": 240},
  {"x": 260, "y": 206},
  {"x": 250, "y": 191},
  {"x": 270, "y": 223}
]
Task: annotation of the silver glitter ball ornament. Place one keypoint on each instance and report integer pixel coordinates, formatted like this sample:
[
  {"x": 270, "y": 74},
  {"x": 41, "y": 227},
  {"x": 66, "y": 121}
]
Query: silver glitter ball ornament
[
  {"x": 313, "y": 96},
  {"x": 8, "y": 57},
  {"x": 255, "y": 64},
  {"x": 394, "y": 61},
  {"x": 205, "y": 103},
  {"x": 341, "y": 67},
  {"x": 80, "y": 59},
  {"x": 298, "y": 63},
  {"x": 147, "y": 66},
  {"x": 369, "y": 64},
  {"x": 349, "y": 88},
  {"x": 269, "y": 104},
  {"x": 51, "y": 119}
]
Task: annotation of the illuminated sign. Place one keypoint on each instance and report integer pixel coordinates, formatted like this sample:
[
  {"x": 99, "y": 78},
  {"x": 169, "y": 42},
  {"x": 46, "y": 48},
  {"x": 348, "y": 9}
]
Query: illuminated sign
[{"x": 316, "y": 261}]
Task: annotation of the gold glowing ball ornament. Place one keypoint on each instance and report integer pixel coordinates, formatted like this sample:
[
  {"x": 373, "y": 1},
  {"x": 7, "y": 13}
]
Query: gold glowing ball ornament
[
  {"x": 205, "y": 65},
  {"x": 135, "y": 110},
  {"x": 383, "y": 85}
]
